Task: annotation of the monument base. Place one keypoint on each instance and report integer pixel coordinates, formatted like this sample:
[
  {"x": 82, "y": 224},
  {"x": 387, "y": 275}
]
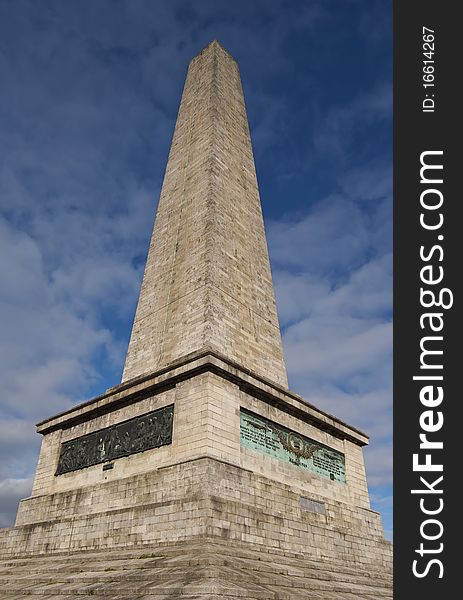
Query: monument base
[
  {"x": 206, "y": 569},
  {"x": 209, "y": 483},
  {"x": 198, "y": 499}
]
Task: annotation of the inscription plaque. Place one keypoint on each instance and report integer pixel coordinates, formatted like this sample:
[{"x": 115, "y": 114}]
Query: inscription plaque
[
  {"x": 258, "y": 433},
  {"x": 145, "y": 432}
]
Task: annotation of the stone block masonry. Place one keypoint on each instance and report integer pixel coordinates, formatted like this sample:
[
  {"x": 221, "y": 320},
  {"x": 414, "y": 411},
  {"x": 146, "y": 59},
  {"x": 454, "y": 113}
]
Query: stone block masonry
[
  {"x": 203, "y": 498},
  {"x": 207, "y": 281},
  {"x": 207, "y": 394},
  {"x": 205, "y": 483},
  {"x": 205, "y": 569}
]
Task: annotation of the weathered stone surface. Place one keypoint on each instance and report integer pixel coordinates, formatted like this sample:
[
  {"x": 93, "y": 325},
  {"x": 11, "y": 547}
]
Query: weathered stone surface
[
  {"x": 207, "y": 569},
  {"x": 207, "y": 281},
  {"x": 207, "y": 393},
  {"x": 204, "y": 484},
  {"x": 203, "y": 497}
]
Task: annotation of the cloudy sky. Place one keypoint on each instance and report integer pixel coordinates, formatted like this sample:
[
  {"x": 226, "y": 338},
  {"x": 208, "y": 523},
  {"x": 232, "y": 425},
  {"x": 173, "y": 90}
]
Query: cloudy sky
[{"x": 89, "y": 92}]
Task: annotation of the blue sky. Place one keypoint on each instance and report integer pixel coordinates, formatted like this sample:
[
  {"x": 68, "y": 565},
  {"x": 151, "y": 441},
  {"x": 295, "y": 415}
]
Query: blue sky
[{"x": 89, "y": 96}]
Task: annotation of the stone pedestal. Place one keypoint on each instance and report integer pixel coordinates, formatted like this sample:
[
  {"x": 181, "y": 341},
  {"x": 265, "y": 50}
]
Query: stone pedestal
[{"x": 208, "y": 480}]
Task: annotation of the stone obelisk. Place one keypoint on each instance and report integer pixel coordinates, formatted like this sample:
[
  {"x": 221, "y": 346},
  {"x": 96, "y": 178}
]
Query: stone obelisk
[
  {"x": 201, "y": 475},
  {"x": 207, "y": 282}
]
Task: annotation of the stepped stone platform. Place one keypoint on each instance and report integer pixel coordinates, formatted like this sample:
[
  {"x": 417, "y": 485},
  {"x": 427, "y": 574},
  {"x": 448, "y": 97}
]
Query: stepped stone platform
[{"x": 207, "y": 569}]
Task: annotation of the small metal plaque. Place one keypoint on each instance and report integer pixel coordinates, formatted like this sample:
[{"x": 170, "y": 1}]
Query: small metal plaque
[
  {"x": 258, "y": 433},
  {"x": 312, "y": 505},
  {"x": 145, "y": 432}
]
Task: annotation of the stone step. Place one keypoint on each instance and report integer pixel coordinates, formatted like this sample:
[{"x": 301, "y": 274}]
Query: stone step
[
  {"x": 101, "y": 563},
  {"x": 166, "y": 574},
  {"x": 189, "y": 571},
  {"x": 146, "y": 572}
]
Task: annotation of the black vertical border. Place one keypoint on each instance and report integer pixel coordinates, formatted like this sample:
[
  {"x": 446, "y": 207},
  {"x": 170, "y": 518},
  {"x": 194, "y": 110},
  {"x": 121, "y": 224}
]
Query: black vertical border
[{"x": 414, "y": 133}]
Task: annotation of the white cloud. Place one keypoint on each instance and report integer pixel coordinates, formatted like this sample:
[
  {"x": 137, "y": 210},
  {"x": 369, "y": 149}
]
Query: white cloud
[
  {"x": 11, "y": 490},
  {"x": 371, "y": 181},
  {"x": 378, "y": 460},
  {"x": 334, "y": 236},
  {"x": 333, "y": 279},
  {"x": 341, "y": 125}
]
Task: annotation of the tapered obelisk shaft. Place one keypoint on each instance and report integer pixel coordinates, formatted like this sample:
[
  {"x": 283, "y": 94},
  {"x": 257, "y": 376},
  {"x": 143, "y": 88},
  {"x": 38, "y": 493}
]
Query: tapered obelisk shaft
[{"x": 207, "y": 283}]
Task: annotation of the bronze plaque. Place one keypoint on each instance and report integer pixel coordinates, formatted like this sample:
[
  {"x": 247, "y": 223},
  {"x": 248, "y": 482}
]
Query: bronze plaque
[
  {"x": 145, "y": 432},
  {"x": 258, "y": 433}
]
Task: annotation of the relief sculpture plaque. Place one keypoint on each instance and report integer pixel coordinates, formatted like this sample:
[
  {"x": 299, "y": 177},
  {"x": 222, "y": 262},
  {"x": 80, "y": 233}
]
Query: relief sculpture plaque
[
  {"x": 258, "y": 433},
  {"x": 145, "y": 432}
]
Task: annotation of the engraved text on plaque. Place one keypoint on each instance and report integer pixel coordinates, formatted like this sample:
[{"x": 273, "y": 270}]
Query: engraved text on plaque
[{"x": 266, "y": 436}]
